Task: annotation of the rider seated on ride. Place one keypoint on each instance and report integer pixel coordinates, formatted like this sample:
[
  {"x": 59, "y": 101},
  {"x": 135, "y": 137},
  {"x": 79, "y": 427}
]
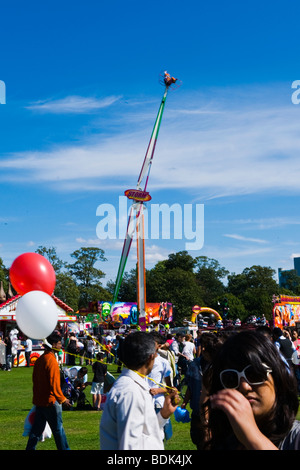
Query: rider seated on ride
[{"x": 168, "y": 79}]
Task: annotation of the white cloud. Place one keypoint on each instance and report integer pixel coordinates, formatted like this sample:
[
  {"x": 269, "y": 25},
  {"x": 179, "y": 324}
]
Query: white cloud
[
  {"x": 154, "y": 253},
  {"x": 73, "y": 104},
  {"x": 107, "y": 244},
  {"x": 235, "y": 252},
  {"x": 267, "y": 222},
  {"x": 245, "y": 239},
  {"x": 213, "y": 150}
]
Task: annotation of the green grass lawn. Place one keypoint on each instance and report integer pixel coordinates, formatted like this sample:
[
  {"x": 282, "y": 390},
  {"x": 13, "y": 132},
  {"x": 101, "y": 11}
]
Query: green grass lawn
[{"x": 82, "y": 427}]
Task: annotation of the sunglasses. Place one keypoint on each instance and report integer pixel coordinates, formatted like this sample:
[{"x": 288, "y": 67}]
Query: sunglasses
[{"x": 230, "y": 378}]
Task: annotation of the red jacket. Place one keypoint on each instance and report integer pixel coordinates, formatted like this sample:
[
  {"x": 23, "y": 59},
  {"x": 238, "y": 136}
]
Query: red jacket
[{"x": 46, "y": 381}]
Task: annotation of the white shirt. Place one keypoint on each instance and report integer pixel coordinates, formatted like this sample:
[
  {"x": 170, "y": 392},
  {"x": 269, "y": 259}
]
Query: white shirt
[
  {"x": 28, "y": 345},
  {"x": 129, "y": 421},
  {"x": 160, "y": 370},
  {"x": 175, "y": 348},
  {"x": 188, "y": 350}
]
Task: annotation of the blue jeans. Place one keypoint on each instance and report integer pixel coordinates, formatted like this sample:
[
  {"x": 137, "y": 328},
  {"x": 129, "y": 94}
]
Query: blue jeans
[
  {"x": 53, "y": 415},
  {"x": 168, "y": 430}
]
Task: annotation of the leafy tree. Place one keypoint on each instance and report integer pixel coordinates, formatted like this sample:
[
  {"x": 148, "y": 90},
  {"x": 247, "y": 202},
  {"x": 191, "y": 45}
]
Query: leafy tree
[
  {"x": 284, "y": 291},
  {"x": 4, "y": 275},
  {"x": 67, "y": 290},
  {"x": 83, "y": 269},
  {"x": 51, "y": 255},
  {"x": 255, "y": 287},
  {"x": 183, "y": 292},
  {"x": 88, "y": 277},
  {"x": 258, "y": 302},
  {"x": 181, "y": 279},
  {"x": 173, "y": 281},
  {"x": 180, "y": 260},
  {"x": 157, "y": 284},
  {"x": 235, "y": 306},
  {"x": 128, "y": 288},
  {"x": 93, "y": 293},
  {"x": 209, "y": 274},
  {"x": 256, "y": 276}
]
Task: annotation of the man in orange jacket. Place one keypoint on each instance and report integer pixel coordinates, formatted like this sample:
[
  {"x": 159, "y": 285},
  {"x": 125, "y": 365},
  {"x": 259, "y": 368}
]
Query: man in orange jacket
[{"x": 48, "y": 396}]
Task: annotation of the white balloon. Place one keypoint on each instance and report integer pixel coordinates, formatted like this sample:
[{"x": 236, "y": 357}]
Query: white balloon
[{"x": 36, "y": 314}]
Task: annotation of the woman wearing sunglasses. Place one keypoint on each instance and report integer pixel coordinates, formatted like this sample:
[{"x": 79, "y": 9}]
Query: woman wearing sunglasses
[{"x": 253, "y": 398}]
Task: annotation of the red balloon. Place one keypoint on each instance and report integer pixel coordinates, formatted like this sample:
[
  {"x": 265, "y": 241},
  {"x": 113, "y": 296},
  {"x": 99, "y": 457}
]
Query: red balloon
[{"x": 32, "y": 271}]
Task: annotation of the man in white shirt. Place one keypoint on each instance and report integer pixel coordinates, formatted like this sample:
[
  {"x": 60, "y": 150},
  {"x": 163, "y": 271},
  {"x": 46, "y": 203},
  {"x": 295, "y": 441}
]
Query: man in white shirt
[
  {"x": 28, "y": 351},
  {"x": 159, "y": 376},
  {"x": 160, "y": 373},
  {"x": 129, "y": 421}
]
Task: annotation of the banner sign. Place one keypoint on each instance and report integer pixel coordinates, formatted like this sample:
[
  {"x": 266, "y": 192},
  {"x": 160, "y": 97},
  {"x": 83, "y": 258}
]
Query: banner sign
[
  {"x": 137, "y": 195},
  {"x": 126, "y": 313},
  {"x": 286, "y": 311}
]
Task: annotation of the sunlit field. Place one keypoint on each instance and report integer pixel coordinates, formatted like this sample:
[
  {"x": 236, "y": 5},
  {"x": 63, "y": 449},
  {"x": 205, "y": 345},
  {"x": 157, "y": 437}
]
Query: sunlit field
[{"x": 81, "y": 426}]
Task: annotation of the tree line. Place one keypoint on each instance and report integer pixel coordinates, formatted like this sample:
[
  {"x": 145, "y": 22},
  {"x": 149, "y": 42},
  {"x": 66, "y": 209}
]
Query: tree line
[{"x": 181, "y": 279}]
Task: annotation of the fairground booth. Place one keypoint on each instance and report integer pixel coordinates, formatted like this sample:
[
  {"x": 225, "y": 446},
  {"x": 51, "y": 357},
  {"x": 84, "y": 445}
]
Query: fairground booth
[
  {"x": 110, "y": 315},
  {"x": 8, "y": 324},
  {"x": 286, "y": 311}
]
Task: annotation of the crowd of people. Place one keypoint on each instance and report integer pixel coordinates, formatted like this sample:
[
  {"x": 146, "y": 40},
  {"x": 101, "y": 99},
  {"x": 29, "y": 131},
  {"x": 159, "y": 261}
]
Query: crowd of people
[
  {"x": 13, "y": 343},
  {"x": 85, "y": 347},
  {"x": 242, "y": 388},
  {"x": 80, "y": 348}
]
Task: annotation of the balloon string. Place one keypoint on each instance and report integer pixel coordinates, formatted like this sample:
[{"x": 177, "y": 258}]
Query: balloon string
[
  {"x": 144, "y": 376},
  {"x": 161, "y": 385}
]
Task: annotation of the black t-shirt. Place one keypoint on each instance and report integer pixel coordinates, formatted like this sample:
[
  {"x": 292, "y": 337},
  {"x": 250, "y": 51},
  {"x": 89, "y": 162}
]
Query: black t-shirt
[
  {"x": 72, "y": 346},
  {"x": 100, "y": 371}
]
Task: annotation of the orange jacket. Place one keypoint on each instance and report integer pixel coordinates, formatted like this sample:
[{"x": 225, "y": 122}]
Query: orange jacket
[{"x": 46, "y": 381}]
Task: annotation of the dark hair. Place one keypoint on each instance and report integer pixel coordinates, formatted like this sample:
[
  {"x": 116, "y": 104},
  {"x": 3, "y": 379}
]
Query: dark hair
[
  {"x": 157, "y": 337},
  {"x": 179, "y": 335},
  {"x": 53, "y": 338},
  {"x": 277, "y": 332},
  {"x": 137, "y": 349},
  {"x": 83, "y": 370},
  {"x": 239, "y": 350},
  {"x": 266, "y": 330},
  {"x": 211, "y": 342}
]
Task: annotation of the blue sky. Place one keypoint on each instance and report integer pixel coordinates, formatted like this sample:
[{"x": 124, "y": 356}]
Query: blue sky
[{"x": 82, "y": 95}]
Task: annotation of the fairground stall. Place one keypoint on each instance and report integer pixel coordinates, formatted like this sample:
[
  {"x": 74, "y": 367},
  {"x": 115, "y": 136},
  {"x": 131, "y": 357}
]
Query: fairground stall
[
  {"x": 8, "y": 326},
  {"x": 286, "y": 311},
  {"x": 109, "y": 315}
]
